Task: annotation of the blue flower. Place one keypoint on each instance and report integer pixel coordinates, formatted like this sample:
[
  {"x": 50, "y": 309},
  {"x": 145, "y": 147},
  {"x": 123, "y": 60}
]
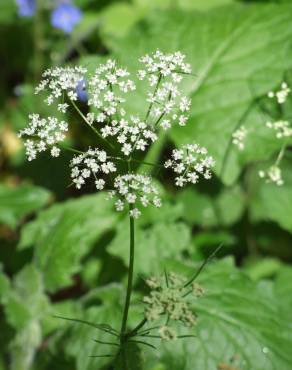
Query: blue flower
[
  {"x": 81, "y": 90},
  {"x": 26, "y": 8},
  {"x": 65, "y": 16}
]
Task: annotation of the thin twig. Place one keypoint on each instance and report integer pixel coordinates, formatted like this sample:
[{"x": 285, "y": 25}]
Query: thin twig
[
  {"x": 109, "y": 343},
  {"x": 141, "y": 342},
  {"x": 166, "y": 277},
  {"x": 72, "y": 150},
  {"x": 208, "y": 259},
  {"x": 139, "y": 326},
  {"x": 148, "y": 329},
  {"x": 103, "y": 327},
  {"x": 90, "y": 125}
]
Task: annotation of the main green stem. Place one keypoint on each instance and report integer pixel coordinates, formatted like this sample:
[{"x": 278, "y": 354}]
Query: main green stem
[{"x": 130, "y": 277}]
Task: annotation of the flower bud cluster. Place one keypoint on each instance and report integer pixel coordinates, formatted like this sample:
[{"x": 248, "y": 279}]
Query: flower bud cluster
[
  {"x": 189, "y": 163},
  {"x": 170, "y": 297},
  {"x": 282, "y": 94},
  {"x": 239, "y": 136},
  {"x": 94, "y": 163},
  {"x": 167, "y": 333},
  {"x": 135, "y": 190},
  {"x": 164, "y": 73},
  {"x": 282, "y": 128},
  {"x": 44, "y": 134}
]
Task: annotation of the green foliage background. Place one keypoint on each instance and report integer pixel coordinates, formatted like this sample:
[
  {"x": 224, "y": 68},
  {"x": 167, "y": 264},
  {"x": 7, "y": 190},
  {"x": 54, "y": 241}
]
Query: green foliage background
[{"x": 65, "y": 253}]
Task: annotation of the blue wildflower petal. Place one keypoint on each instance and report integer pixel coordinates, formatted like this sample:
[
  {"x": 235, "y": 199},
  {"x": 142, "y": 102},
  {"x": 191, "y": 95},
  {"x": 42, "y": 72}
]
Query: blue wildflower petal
[
  {"x": 26, "y": 8},
  {"x": 81, "y": 90},
  {"x": 65, "y": 16}
]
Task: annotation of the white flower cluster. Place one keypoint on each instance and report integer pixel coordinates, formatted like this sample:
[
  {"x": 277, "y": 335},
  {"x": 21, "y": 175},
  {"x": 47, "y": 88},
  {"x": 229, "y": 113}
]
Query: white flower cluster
[
  {"x": 282, "y": 94},
  {"x": 273, "y": 175},
  {"x": 164, "y": 72},
  {"x": 60, "y": 80},
  {"x": 131, "y": 134},
  {"x": 94, "y": 162},
  {"x": 135, "y": 190},
  {"x": 189, "y": 163},
  {"x": 107, "y": 87},
  {"x": 239, "y": 136},
  {"x": 45, "y": 133},
  {"x": 282, "y": 128}
]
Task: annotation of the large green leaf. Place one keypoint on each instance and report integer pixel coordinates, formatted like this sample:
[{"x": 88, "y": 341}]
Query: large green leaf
[
  {"x": 237, "y": 319},
  {"x": 153, "y": 245},
  {"x": 64, "y": 233},
  {"x": 222, "y": 210},
  {"x": 232, "y": 51},
  {"x": 17, "y": 202}
]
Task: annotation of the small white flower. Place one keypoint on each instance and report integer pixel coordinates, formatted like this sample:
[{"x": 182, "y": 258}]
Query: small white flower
[
  {"x": 180, "y": 181},
  {"x": 168, "y": 163},
  {"x": 90, "y": 117},
  {"x": 157, "y": 202},
  {"x": 41, "y": 146},
  {"x": 165, "y": 124},
  {"x": 185, "y": 104},
  {"x": 79, "y": 181},
  {"x": 141, "y": 74},
  {"x": 55, "y": 151},
  {"x": 119, "y": 205},
  {"x": 127, "y": 149},
  {"x": 182, "y": 120},
  {"x": 63, "y": 107},
  {"x": 131, "y": 198},
  {"x": 99, "y": 184},
  {"x": 135, "y": 213}
]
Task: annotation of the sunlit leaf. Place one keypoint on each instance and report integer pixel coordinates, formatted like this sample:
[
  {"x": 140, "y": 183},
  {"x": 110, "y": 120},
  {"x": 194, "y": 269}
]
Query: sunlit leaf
[
  {"x": 65, "y": 233},
  {"x": 17, "y": 202}
]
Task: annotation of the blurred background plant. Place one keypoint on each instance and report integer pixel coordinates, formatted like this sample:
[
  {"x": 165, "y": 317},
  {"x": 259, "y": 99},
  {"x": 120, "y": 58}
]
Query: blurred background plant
[{"x": 65, "y": 253}]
